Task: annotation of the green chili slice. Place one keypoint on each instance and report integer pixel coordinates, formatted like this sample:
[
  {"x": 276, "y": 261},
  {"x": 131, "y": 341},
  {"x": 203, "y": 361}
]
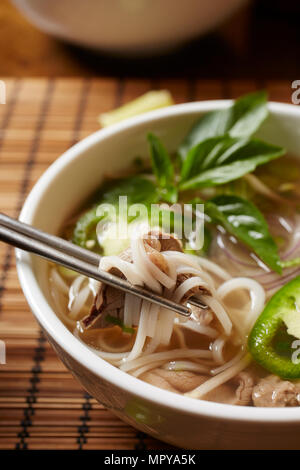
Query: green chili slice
[{"x": 271, "y": 339}]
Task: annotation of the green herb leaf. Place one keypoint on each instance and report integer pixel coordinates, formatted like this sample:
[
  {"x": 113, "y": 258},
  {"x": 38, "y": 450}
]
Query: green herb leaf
[
  {"x": 222, "y": 159},
  {"x": 162, "y": 168},
  {"x": 243, "y": 220},
  {"x": 117, "y": 321},
  {"x": 241, "y": 119},
  {"x": 138, "y": 189}
]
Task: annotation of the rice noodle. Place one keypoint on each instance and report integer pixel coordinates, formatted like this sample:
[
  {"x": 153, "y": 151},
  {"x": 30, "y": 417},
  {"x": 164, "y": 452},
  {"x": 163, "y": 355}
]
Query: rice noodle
[
  {"x": 80, "y": 299},
  {"x": 180, "y": 336},
  {"x": 186, "y": 286},
  {"x": 217, "y": 348},
  {"x": 219, "y": 379},
  {"x": 167, "y": 356},
  {"x": 214, "y": 268},
  {"x": 147, "y": 367},
  {"x": 257, "y": 296},
  {"x": 220, "y": 313},
  {"x": 152, "y": 320},
  {"x": 77, "y": 296},
  {"x": 141, "y": 334},
  {"x": 166, "y": 325},
  {"x": 128, "y": 309},
  {"x": 58, "y": 281},
  {"x": 128, "y": 269},
  {"x": 202, "y": 329},
  {"x": 138, "y": 257},
  {"x": 136, "y": 310},
  {"x": 228, "y": 364},
  {"x": 186, "y": 365}
]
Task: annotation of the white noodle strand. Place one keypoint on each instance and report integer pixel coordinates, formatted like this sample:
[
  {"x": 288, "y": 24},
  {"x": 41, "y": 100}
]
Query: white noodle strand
[{"x": 219, "y": 379}]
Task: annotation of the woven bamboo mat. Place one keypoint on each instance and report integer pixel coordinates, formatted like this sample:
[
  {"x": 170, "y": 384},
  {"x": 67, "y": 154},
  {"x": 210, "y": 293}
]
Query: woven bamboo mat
[{"x": 41, "y": 405}]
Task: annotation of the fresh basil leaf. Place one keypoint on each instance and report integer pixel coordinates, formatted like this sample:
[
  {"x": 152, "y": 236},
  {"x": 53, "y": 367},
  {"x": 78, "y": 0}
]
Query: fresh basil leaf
[
  {"x": 161, "y": 162},
  {"x": 242, "y": 219},
  {"x": 138, "y": 189},
  {"x": 241, "y": 119},
  {"x": 222, "y": 159}
]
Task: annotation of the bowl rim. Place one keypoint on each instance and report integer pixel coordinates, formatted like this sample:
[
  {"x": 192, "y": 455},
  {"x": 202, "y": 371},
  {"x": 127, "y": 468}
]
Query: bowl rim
[{"x": 77, "y": 349}]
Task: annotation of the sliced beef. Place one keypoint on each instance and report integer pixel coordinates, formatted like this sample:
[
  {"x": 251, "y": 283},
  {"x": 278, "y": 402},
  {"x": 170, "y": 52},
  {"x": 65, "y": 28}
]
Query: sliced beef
[
  {"x": 271, "y": 391},
  {"x": 167, "y": 242},
  {"x": 245, "y": 384},
  {"x": 174, "y": 381},
  {"x": 237, "y": 391},
  {"x": 109, "y": 303}
]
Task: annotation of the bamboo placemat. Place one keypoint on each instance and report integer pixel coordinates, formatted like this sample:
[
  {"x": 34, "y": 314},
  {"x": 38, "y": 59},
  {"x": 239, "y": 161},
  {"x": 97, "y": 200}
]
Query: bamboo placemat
[{"x": 41, "y": 405}]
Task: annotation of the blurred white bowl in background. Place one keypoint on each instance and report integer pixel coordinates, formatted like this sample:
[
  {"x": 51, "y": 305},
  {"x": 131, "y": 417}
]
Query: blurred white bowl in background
[{"x": 134, "y": 27}]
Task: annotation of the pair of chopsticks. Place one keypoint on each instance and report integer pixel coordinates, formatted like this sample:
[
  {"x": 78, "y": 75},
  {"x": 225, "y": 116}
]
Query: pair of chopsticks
[{"x": 78, "y": 259}]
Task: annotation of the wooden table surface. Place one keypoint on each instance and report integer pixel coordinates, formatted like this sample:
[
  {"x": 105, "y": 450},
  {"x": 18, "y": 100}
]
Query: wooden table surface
[{"x": 41, "y": 405}]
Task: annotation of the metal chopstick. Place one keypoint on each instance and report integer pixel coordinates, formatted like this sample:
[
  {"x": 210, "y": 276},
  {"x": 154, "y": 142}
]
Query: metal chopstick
[
  {"x": 50, "y": 253},
  {"x": 51, "y": 240},
  {"x": 64, "y": 246}
]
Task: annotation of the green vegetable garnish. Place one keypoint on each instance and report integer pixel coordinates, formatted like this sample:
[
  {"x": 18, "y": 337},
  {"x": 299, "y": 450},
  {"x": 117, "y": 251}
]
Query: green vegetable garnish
[
  {"x": 216, "y": 153},
  {"x": 151, "y": 100},
  {"x": 242, "y": 219},
  {"x": 222, "y": 159},
  {"x": 163, "y": 169},
  {"x": 240, "y": 120},
  {"x": 280, "y": 319},
  {"x": 118, "y": 322}
]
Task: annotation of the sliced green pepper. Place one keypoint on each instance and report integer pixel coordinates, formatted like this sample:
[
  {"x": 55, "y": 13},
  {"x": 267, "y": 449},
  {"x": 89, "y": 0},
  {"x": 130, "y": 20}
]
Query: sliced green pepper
[
  {"x": 85, "y": 230},
  {"x": 270, "y": 341}
]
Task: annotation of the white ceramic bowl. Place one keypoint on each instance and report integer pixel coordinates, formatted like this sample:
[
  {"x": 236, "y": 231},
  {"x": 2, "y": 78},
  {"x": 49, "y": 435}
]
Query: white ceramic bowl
[
  {"x": 181, "y": 421},
  {"x": 136, "y": 27}
]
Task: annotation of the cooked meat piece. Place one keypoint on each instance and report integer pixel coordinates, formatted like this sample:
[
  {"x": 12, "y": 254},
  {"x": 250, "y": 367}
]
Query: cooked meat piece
[
  {"x": 174, "y": 381},
  {"x": 245, "y": 382},
  {"x": 157, "y": 258},
  {"x": 109, "y": 301},
  {"x": 168, "y": 242},
  {"x": 126, "y": 255},
  {"x": 237, "y": 391},
  {"x": 272, "y": 391}
]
